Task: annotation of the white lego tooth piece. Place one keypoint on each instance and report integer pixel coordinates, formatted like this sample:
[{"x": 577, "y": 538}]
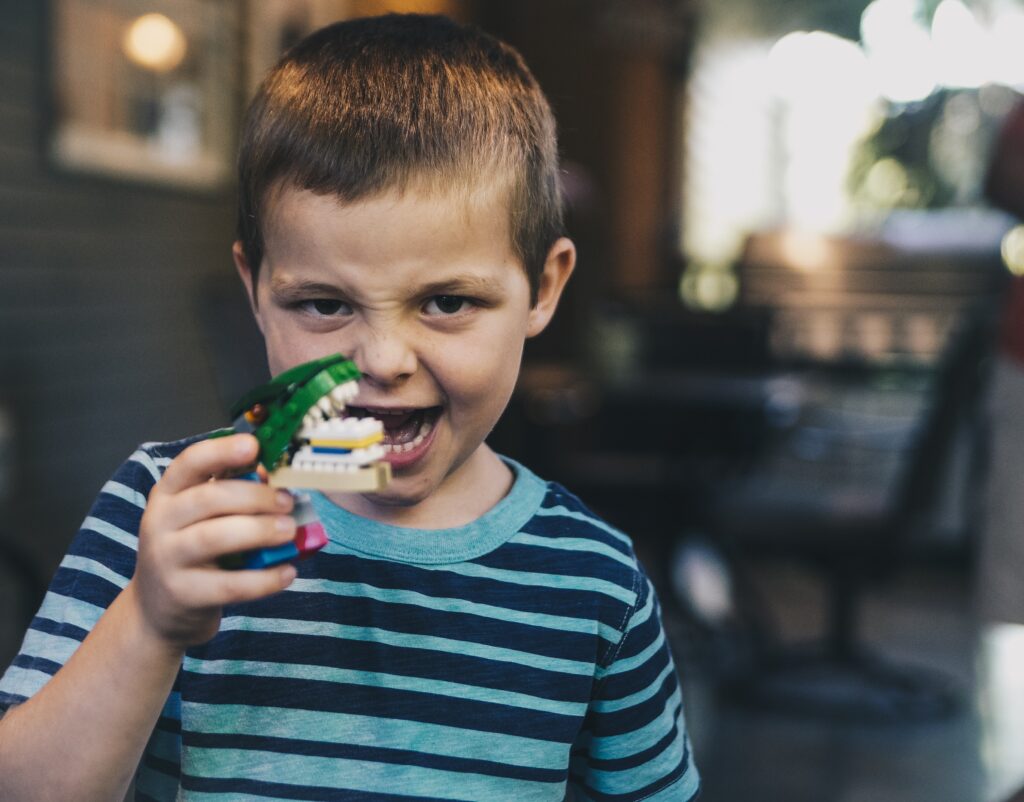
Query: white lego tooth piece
[{"x": 326, "y": 407}]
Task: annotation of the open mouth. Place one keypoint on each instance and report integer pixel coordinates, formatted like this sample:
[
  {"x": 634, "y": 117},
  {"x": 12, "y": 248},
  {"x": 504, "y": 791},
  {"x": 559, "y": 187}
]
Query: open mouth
[
  {"x": 405, "y": 430},
  {"x": 332, "y": 438}
]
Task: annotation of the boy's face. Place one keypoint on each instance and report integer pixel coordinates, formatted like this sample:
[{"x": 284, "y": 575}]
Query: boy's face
[{"x": 423, "y": 292}]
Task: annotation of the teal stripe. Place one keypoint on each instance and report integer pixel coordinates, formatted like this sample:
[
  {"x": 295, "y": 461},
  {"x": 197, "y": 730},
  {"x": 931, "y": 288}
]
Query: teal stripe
[
  {"x": 681, "y": 790},
  {"x": 575, "y": 544},
  {"x": 614, "y": 705},
  {"x": 84, "y": 564},
  {"x": 627, "y": 744},
  {"x": 532, "y": 579},
  {"x": 564, "y": 512},
  {"x": 381, "y": 680},
  {"x": 57, "y": 648},
  {"x": 115, "y": 533},
  {"x": 364, "y": 775},
  {"x": 629, "y": 780},
  {"x": 452, "y": 605},
  {"x": 403, "y": 640},
  {"x": 23, "y": 681},
  {"x": 345, "y": 728},
  {"x": 68, "y": 610},
  {"x": 144, "y": 459},
  {"x": 622, "y": 666},
  {"x": 642, "y": 615},
  {"x": 112, "y": 488}
]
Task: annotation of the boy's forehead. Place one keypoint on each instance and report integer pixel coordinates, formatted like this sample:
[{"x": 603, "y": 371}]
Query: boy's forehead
[
  {"x": 308, "y": 233},
  {"x": 295, "y": 216}
]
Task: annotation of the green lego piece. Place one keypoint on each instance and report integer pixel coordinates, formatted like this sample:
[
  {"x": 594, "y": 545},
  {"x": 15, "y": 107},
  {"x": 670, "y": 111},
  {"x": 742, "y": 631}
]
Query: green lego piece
[{"x": 286, "y": 400}]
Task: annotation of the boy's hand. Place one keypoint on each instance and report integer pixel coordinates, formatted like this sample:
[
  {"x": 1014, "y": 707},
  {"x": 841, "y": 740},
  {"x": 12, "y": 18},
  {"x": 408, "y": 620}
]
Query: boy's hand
[{"x": 189, "y": 522}]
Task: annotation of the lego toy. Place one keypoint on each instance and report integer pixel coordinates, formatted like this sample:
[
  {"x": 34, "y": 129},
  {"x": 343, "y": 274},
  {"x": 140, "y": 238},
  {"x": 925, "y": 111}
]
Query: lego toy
[{"x": 306, "y": 442}]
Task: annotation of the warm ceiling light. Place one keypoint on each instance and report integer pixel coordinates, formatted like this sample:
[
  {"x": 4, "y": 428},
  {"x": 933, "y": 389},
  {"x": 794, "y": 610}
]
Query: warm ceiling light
[{"x": 155, "y": 42}]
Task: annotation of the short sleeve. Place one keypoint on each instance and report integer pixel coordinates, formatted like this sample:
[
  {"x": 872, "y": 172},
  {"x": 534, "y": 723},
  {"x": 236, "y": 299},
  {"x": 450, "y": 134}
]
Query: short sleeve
[
  {"x": 97, "y": 566},
  {"x": 634, "y": 744}
]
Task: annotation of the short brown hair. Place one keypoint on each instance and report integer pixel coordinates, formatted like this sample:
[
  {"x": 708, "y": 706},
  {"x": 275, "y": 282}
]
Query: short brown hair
[{"x": 372, "y": 104}]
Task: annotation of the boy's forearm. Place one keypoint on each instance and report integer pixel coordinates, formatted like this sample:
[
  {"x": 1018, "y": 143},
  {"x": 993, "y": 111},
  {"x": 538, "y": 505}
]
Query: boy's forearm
[{"x": 81, "y": 737}]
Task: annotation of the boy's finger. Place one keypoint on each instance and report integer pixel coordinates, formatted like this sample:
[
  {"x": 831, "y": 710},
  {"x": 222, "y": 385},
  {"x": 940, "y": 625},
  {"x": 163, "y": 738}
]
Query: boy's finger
[
  {"x": 223, "y": 497},
  {"x": 220, "y": 588},
  {"x": 207, "y": 458},
  {"x": 204, "y": 542}
]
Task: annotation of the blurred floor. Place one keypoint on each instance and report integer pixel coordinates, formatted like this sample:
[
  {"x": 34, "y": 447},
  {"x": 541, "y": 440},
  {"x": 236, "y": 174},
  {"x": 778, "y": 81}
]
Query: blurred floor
[{"x": 925, "y": 620}]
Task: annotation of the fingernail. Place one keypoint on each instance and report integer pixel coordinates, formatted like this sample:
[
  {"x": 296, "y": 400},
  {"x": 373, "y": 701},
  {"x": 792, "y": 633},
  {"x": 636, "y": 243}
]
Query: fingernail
[
  {"x": 285, "y": 523},
  {"x": 287, "y": 575},
  {"x": 284, "y": 499}
]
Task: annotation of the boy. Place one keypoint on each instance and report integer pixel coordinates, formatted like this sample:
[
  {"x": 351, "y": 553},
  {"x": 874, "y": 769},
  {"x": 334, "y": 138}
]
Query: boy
[{"x": 470, "y": 632}]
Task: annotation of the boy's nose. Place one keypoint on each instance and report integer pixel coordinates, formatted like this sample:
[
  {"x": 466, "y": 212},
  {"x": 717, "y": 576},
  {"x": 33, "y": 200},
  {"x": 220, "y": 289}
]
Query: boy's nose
[{"x": 384, "y": 358}]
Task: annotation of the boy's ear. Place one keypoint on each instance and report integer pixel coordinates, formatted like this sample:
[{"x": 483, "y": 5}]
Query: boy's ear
[
  {"x": 558, "y": 267},
  {"x": 245, "y": 273}
]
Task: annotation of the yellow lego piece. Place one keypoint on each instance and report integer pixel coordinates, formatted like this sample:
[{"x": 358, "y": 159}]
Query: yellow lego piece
[{"x": 352, "y": 444}]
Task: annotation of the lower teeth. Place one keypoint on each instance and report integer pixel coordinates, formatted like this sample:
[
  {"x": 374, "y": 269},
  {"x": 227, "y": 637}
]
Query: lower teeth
[{"x": 401, "y": 448}]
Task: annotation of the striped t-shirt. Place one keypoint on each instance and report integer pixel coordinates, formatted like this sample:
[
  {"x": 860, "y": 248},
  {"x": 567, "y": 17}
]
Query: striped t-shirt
[{"x": 518, "y": 658}]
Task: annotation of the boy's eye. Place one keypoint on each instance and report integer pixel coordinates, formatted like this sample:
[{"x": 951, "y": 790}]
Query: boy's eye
[
  {"x": 446, "y": 304},
  {"x": 326, "y": 307}
]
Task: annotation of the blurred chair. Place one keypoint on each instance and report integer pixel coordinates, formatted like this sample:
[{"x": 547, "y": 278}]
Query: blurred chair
[{"x": 852, "y": 541}]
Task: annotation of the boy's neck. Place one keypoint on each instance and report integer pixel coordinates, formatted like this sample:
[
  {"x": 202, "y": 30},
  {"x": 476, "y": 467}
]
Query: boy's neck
[{"x": 475, "y": 487}]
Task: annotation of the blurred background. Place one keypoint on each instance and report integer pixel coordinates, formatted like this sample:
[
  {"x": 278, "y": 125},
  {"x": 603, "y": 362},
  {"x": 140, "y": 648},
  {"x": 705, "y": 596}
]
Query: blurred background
[{"x": 789, "y": 363}]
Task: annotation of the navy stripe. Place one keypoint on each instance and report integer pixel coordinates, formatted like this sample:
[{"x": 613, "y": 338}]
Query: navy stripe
[
  {"x": 115, "y": 556},
  {"x": 416, "y": 620},
  {"x": 401, "y": 757},
  {"x": 171, "y": 725},
  {"x": 582, "y": 564},
  {"x": 582, "y": 604},
  {"x": 623, "y": 721},
  {"x": 51, "y": 627},
  {"x": 84, "y": 587},
  {"x": 639, "y": 758},
  {"x": 141, "y": 797},
  {"x": 36, "y": 663},
  {"x": 644, "y": 792},
  {"x": 338, "y": 697},
  {"x": 401, "y": 660},
  {"x": 282, "y": 791},
  {"x": 9, "y": 700},
  {"x": 115, "y": 509},
  {"x": 552, "y": 526}
]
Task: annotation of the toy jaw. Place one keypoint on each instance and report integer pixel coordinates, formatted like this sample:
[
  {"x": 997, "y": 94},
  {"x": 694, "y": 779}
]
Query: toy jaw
[{"x": 332, "y": 451}]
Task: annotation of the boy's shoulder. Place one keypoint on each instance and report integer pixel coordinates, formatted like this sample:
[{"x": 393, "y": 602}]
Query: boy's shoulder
[
  {"x": 566, "y": 522},
  {"x": 163, "y": 452},
  {"x": 147, "y": 463}
]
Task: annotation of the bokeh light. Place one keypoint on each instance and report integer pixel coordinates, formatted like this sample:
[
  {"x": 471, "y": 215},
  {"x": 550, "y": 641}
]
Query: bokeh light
[
  {"x": 1012, "y": 249},
  {"x": 155, "y": 43}
]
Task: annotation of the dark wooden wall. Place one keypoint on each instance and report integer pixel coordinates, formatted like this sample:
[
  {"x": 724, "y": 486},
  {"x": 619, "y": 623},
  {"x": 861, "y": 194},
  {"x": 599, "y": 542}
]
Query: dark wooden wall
[{"x": 101, "y": 288}]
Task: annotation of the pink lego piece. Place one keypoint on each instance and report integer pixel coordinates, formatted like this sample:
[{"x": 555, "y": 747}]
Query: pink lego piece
[
  {"x": 309, "y": 533},
  {"x": 310, "y": 538}
]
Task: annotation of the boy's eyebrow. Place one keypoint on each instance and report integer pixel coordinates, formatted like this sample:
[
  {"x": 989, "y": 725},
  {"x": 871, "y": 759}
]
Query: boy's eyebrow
[
  {"x": 456, "y": 285},
  {"x": 461, "y": 285},
  {"x": 286, "y": 288}
]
